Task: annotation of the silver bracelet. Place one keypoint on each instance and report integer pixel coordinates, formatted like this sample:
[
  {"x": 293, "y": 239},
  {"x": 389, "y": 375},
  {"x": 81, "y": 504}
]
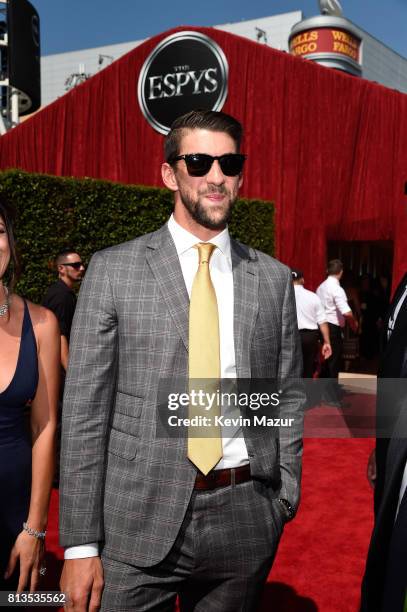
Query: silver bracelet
[{"x": 40, "y": 535}]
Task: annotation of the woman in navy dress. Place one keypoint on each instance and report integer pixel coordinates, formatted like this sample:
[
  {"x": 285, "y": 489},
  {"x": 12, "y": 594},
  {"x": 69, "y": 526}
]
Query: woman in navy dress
[{"x": 29, "y": 370}]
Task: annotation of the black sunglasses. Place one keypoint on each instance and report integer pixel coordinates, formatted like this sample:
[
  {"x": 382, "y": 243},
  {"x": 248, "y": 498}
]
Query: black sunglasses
[
  {"x": 199, "y": 164},
  {"x": 76, "y": 264}
]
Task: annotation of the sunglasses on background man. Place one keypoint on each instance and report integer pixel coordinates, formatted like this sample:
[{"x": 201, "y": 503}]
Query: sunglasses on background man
[{"x": 77, "y": 265}]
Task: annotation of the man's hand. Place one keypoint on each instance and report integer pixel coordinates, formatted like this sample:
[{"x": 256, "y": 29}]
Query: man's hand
[
  {"x": 326, "y": 350},
  {"x": 371, "y": 469},
  {"x": 82, "y": 582},
  {"x": 351, "y": 321}
]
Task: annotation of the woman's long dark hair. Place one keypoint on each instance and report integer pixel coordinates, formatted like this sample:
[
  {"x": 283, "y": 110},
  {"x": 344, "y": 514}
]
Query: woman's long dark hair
[{"x": 7, "y": 213}]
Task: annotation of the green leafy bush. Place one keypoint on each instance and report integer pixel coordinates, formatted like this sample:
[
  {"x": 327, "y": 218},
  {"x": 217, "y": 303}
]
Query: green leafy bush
[{"x": 89, "y": 215}]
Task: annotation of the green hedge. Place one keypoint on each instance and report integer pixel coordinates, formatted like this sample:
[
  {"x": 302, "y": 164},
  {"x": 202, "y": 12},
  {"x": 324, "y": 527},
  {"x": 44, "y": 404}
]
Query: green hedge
[{"x": 88, "y": 214}]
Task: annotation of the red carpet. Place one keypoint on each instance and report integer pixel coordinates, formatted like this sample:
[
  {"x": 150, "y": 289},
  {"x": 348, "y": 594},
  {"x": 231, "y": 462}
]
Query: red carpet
[{"x": 321, "y": 557}]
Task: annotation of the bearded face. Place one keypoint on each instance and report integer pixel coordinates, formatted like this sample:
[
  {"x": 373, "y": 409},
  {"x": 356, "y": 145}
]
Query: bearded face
[{"x": 206, "y": 200}]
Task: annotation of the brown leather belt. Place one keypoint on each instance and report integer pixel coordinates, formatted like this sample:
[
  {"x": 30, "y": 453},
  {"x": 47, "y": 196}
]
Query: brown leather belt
[{"x": 222, "y": 478}]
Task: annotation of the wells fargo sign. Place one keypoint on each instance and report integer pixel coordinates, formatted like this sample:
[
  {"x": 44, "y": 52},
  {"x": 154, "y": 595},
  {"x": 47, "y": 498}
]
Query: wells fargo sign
[{"x": 326, "y": 40}]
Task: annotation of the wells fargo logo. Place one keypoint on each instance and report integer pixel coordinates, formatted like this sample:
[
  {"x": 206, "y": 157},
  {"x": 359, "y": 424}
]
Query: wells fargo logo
[
  {"x": 326, "y": 40},
  {"x": 346, "y": 44},
  {"x": 304, "y": 43}
]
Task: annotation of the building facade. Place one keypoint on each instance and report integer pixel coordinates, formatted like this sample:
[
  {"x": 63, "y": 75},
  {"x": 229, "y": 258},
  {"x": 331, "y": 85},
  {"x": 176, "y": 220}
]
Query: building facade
[{"x": 60, "y": 71}]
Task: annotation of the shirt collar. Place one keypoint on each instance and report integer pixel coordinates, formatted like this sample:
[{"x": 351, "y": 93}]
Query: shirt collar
[
  {"x": 64, "y": 286},
  {"x": 334, "y": 280},
  {"x": 184, "y": 240}
]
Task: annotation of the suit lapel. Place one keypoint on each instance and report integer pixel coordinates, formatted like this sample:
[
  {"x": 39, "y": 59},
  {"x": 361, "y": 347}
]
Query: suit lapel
[
  {"x": 164, "y": 262},
  {"x": 246, "y": 287},
  {"x": 401, "y": 320},
  {"x": 397, "y": 295},
  {"x": 396, "y": 457}
]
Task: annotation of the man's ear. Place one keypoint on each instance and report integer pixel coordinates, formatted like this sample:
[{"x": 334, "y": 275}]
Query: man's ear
[
  {"x": 61, "y": 270},
  {"x": 168, "y": 176}
]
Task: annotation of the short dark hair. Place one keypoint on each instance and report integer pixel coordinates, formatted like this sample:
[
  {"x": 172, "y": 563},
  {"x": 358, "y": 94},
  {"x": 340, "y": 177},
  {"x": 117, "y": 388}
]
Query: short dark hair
[
  {"x": 63, "y": 253},
  {"x": 215, "y": 121},
  {"x": 8, "y": 214},
  {"x": 335, "y": 266},
  {"x": 297, "y": 274}
]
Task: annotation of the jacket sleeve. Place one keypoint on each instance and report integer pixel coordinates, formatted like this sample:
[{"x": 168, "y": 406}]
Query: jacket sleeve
[
  {"x": 292, "y": 400},
  {"x": 88, "y": 399}
]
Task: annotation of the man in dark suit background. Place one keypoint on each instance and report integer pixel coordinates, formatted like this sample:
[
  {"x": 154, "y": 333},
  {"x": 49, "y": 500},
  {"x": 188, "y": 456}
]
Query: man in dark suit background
[
  {"x": 385, "y": 581},
  {"x": 392, "y": 365},
  {"x": 142, "y": 516},
  {"x": 384, "y": 586}
]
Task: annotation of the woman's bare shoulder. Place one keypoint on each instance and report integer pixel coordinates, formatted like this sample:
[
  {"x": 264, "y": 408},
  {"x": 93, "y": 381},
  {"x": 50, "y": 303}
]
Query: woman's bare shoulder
[{"x": 43, "y": 319}]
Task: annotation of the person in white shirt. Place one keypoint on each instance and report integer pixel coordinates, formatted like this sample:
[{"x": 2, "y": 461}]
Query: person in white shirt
[
  {"x": 338, "y": 313},
  {"x": 312, "y": 321}
]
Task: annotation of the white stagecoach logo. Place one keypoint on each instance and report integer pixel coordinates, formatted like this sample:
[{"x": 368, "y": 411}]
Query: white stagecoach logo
[{"x": 186, "y": 71}]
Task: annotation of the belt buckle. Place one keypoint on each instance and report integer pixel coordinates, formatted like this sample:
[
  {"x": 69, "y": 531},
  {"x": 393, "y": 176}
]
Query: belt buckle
[{"x": 211, "y": 479}]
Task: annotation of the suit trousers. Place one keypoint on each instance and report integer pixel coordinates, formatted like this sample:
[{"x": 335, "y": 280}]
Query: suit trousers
[
  {"x": 331, "y": 367},
  {"x": 309, "y": 346},
  {"x": 219, "y": 562},
  {"x": 395, "y": 589}
]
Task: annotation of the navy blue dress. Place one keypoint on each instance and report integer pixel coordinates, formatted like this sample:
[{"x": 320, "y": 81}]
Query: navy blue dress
[{"x": 15, "y": 446}]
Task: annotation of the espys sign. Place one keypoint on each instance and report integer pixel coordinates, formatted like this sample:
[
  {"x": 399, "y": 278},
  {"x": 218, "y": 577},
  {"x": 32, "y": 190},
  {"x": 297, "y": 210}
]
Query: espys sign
[{"x": 186, "y": 71}]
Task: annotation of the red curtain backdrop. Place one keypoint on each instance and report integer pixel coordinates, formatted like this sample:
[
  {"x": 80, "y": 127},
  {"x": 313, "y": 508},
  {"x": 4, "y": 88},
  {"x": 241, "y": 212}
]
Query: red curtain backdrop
[{"x": 329, "y": 149}]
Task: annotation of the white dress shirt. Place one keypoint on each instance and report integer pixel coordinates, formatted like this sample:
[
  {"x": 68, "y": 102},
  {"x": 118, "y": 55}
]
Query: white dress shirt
[
  {"x": 402, "y": 489},
  {"x": 310, "y": 312},
  {"x": 334, "y": 301},
  {"x": 220, "y": 266},
  {"x": 392, "y": 320}
]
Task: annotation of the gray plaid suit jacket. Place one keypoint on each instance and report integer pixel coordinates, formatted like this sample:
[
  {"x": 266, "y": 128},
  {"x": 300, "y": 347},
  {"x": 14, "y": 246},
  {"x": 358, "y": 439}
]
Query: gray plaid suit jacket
[{"x": 120, "y": 485}]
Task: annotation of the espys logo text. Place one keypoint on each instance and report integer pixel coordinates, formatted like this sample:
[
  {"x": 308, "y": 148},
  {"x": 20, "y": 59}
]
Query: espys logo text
[{"x": 186, "y": 71}]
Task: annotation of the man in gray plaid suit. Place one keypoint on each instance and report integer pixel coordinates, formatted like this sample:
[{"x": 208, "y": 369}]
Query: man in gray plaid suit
[{"x": 140, "y": 522}]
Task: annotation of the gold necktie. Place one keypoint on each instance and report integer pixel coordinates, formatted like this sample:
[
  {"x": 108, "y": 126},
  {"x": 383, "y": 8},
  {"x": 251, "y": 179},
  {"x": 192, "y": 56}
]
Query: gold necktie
[{"x": 204, "y": 363}]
